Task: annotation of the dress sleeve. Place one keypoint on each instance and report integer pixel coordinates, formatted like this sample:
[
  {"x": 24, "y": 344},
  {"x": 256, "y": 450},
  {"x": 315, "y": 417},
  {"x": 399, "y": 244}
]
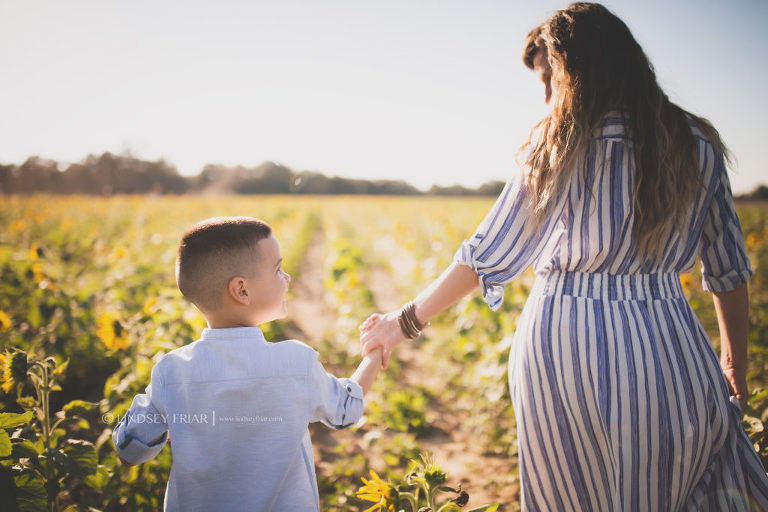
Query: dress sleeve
[
  {"x": 502, "y": 248},
  {"x": 338, "y": 403},
  {"x": 724, "y": 261},
  {"x": 143, "y": 431}
]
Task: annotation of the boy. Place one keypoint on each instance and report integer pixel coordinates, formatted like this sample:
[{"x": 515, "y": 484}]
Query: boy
[{"x": 237, "y": 406}]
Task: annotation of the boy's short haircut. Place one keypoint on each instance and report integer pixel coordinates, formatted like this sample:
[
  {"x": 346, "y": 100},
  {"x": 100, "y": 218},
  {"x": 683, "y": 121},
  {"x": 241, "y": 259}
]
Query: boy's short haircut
[{"x": 214, "y": 251}]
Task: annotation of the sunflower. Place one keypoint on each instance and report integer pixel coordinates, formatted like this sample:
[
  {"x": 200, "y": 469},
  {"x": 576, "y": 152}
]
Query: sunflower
[
  {"x": 37, "y": 272},
  {"x": 5, "y": 320},
  {"x": 5, "y": 376},
  {"x": 686, "y": 280},
  {"x": 13, "y": 370},
  {"x": 34, "y": 252},
  {"x": 111, "y": 332},
  {"x": 378, "y": 491},
  {"x": 429, "y": 472},
  {"x": 752, "y": 241},
  {"x": 149, "y": 307}
]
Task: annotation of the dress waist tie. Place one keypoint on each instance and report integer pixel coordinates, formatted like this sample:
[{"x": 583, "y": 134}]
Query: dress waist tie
[{"x": 593, "y": 285}]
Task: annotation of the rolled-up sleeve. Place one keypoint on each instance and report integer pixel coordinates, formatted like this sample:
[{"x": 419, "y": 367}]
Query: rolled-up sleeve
[
  {"x": 724, "y": 261},
  {"x": 336, "y": 402},
  {"x": 504, "y": 244},
  {"x": 143, "y": 431}
]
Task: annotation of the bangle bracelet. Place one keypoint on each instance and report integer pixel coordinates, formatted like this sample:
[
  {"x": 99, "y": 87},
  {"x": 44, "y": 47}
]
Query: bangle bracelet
[
  {"x": 403, "y": 328},
  {"x": 408, "y": 330},
  {"x": 408, "y": 322},
  {"x": 410, "y": 312}
]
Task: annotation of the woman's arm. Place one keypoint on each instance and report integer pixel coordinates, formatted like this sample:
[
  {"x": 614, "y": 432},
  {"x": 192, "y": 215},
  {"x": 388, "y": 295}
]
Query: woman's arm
[
  {"x": 384, "y": 331},
  {"x": 733, "y": 319},
  {"x": 445, "y": 291}
]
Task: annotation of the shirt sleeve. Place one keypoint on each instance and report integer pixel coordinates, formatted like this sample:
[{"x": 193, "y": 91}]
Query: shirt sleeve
[
  {"x": 338, "y": 403},
  {"x": 502, "y": 248},
  {"x": 724, "y": 261},
  {"x": 143, "y": 431}
]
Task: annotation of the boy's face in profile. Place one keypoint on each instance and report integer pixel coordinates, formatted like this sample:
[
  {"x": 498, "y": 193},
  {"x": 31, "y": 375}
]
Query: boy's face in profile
[{"x": 270, "y": 284}]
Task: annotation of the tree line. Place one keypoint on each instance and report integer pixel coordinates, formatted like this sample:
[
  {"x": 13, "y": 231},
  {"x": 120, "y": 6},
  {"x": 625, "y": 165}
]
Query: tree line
[{"x": 125, "y": 174}]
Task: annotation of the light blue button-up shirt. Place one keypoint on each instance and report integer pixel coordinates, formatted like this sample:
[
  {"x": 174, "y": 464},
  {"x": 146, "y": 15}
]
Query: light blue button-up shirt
[{"x": 237, "y": 409}]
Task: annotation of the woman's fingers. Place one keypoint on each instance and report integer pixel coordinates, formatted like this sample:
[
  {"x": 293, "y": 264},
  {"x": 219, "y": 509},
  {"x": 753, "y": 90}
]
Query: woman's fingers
[
  {"x": 385, "y": 355},
  {"x": 369, "y": 322},
  {"x": 737, "y": 385},
  {"x": 368, "y": 342},
  {"x": 741, "y": 393}
]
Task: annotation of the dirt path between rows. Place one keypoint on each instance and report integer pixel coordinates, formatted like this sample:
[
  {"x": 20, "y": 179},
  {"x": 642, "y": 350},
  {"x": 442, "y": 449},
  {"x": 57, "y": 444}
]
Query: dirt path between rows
[
  {"x": 448, "y": 439},
  {"x": 486, "y": 478}
]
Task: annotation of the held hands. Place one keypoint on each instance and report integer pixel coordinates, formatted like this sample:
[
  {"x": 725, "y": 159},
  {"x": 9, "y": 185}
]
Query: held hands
[{"x": 381, "y": 331}]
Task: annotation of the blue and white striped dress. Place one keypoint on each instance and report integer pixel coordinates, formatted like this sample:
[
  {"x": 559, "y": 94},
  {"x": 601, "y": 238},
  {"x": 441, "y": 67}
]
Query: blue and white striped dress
[{"x": 618, "y": 393}]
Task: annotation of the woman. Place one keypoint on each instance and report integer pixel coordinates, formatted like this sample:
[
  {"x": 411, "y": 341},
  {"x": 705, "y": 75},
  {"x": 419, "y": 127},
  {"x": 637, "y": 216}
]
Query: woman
[{"x": 620, "y": 401}]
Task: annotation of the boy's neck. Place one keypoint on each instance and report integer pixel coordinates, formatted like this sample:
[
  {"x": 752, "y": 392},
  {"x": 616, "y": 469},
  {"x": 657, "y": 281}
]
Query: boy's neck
[
  {"x": 228, "y": 324},
  {"x": 229, "y": 318}
]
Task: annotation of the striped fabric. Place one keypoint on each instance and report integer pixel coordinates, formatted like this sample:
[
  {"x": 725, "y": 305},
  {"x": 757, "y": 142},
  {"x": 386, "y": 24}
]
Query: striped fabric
[{"x": 619, "y": 396}]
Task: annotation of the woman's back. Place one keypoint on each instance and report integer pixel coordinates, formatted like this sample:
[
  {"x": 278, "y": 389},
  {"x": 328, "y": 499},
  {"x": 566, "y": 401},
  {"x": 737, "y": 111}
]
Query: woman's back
[
  {"x": 597, "y": 220},
  {"x": 591, "y": 228}
]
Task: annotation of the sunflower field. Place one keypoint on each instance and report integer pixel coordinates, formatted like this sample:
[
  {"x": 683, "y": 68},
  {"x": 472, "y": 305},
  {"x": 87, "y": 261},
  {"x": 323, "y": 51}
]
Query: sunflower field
[{"x": 88, "y": 304}]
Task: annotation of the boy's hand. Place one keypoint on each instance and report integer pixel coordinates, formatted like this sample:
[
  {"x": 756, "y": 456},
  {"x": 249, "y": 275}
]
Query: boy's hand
[
  {"x": 376, "y": 356},
  {"x": 381, "y": 331}
]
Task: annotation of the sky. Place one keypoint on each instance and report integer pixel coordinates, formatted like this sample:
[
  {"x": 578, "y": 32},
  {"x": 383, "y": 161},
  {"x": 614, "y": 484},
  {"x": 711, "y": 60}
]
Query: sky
[{"x": 432, "y": 92}]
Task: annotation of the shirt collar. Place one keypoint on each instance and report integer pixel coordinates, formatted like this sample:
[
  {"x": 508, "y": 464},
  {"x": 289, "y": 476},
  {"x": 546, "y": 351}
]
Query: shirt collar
[{"x": 234, "y": 334}]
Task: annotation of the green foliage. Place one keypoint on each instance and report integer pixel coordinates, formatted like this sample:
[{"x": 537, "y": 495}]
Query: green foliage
[
  {"x": 10, "y": 420},
  {"x": 38, "y": 461},
  {"x": 755, "y": 421},
  {"x": 405, "y": 410}
]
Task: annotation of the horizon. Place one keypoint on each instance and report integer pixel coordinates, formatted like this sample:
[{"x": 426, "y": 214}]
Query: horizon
[
  {"x": 429, "y": 94},
  {"x": 303, "y": 174}
]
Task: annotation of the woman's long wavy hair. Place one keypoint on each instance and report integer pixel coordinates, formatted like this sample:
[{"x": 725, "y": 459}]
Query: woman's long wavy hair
[{"x": 598, "y": 67}]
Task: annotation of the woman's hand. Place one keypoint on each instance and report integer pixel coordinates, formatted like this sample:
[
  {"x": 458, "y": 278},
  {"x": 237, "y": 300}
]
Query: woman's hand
[
  {"x": 384, "y": 330},
  {"x": 381, "y": 331},
  {"x": 732, "y": 309},
  {"x": 737, "y": 383}
]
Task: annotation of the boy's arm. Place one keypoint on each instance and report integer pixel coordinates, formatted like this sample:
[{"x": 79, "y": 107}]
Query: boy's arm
[
  {"x": 368, "y": 369},
  {"x": 143, "y": 431},
  {"x": 338, "y": 403},
  {"x": 126, "y": 463}
]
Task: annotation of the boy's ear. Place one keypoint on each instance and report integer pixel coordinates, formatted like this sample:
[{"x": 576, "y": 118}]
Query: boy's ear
[{"x": 238, "y": 290}]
